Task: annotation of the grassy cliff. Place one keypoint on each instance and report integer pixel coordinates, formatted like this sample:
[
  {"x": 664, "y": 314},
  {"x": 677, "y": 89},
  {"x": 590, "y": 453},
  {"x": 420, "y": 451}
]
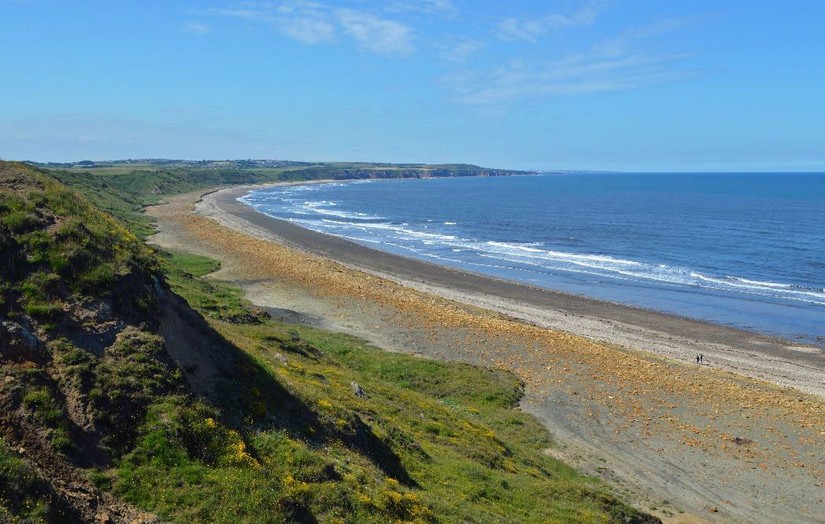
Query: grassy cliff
[{"x": 131, "y": 389}]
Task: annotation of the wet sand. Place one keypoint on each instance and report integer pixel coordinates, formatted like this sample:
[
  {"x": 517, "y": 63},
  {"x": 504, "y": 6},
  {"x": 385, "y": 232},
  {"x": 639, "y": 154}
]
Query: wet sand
[{"x": 618, "y": 387}]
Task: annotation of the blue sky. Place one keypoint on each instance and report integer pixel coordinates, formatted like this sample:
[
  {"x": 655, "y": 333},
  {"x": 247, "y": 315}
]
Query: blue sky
[{"x": 608, "y": 85}]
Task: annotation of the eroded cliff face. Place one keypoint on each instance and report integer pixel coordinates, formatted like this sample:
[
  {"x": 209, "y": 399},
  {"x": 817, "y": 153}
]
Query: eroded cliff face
[
  {"x": 80, "y": 357},
  {"x": 90, "y": 337}
]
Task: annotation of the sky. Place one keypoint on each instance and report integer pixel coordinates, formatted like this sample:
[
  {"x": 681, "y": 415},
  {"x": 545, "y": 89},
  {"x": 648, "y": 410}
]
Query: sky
[{"x": 625, "y": 85}]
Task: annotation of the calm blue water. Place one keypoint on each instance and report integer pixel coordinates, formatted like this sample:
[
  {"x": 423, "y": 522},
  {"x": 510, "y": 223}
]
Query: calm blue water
[{"x": 746, "y": 250}]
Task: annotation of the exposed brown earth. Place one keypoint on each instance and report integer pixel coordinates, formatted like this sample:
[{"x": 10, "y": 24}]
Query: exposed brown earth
[{"x": 696, "y": 442}]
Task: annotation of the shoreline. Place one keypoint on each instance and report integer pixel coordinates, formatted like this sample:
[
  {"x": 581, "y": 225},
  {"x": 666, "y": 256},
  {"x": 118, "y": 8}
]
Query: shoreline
[
  {"x": 742, "y": 294},
  {"x": 688, "y": 443},
  {"x": 765, "y": 357}
]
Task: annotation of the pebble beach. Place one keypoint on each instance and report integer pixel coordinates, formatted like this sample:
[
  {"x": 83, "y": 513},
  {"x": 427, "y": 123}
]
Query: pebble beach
[{"x": 736, "y": 438}]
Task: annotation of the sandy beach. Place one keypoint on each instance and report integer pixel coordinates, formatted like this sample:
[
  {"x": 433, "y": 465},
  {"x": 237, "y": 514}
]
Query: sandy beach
[{"x": 739, "y": 438}]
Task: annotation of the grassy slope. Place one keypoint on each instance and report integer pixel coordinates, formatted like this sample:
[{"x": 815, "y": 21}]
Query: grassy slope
[
  {"x": 283, "y": 437},
  {"x": 79, "y": 363},
  {"x": 429, "y": 442}
]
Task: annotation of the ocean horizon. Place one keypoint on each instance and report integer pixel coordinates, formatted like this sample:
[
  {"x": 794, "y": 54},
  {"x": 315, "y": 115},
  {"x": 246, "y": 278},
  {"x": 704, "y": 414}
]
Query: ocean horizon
[{"x": 746, "y": 250}]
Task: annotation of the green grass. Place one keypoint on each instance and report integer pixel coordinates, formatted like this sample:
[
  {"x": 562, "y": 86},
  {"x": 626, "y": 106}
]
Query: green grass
[
  {"x": 115, "y": 169},
  {"x": 124, "y": 191},
  {"x": 40, "y": 402},
  {"x": 211, "y": 299},
  {"x": 24, "y": 495},
  {"x": 434, "y": 441},
  {"x": 47, "y": 411},
  {"x": 281, "y": 436},
  {"x": 56, "y": 244},
  {"x": 195, "y": 265}
]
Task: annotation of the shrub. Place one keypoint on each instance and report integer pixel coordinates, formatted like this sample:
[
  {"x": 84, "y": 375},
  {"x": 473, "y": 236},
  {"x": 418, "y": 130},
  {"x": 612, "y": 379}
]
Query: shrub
[
  {"x": 129, "y": 377},
  {"x": 99, "y": 278},
  {"x": 42, "y": 310},
  {"x": 176, "y": 432},
  {"x": 21, "y": 221},
  {"x": 41, "y": 285},
  {"x": 61, "y": 440},
  {"x": 77, "y": 365},
  {"x": 43, "y": 406}
]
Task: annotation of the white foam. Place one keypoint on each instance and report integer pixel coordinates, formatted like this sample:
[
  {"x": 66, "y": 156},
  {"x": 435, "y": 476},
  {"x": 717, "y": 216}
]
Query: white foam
[
  {"x": 770, "y": 289},
  {"x": 323, "y": 207},
  {"x": 510, "y": 256}
]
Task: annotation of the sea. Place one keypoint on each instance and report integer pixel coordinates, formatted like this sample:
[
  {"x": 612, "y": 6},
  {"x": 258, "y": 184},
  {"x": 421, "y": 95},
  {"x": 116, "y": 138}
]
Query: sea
[{"x": 743, "y": 250}]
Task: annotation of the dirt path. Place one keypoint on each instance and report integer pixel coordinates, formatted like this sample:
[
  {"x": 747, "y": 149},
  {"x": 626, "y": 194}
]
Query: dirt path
[{"x": 697, "y": 444}]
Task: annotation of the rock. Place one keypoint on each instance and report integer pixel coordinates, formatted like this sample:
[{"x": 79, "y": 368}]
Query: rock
[
  {"x": 17, "y": 342},
  {"x": 358, "y": 390},
  {"x": 20, "y": 333},
  {"x": 92, "y": 310}
]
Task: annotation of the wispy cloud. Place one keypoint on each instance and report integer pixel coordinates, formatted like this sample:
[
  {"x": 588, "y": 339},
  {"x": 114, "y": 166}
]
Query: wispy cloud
[
  {"x": 308, "y": 29},
  {"x": 610, "y": 65},
  {"x": 572, "y": 76},
  {"x": 376, "y": 34},
  {"x": 625, "y": 61},
  {"x": 463, "y": 50},
  {"x": 422, "y": 6},
  {"x": 196, "y": 28},
  {"x": 531, "y": 29},
  {"x": 619, "y": 44},
  {"x": 316, "y": 23}
]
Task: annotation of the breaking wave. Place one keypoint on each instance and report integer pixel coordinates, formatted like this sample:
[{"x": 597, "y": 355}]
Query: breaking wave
[{"x": 433, "y": 239}]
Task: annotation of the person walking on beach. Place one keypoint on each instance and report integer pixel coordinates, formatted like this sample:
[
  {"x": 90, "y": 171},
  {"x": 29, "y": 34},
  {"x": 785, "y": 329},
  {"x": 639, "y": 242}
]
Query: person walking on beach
[
  {"x": 701, "y": 358},
  {"x": 698, "y": 359}
]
